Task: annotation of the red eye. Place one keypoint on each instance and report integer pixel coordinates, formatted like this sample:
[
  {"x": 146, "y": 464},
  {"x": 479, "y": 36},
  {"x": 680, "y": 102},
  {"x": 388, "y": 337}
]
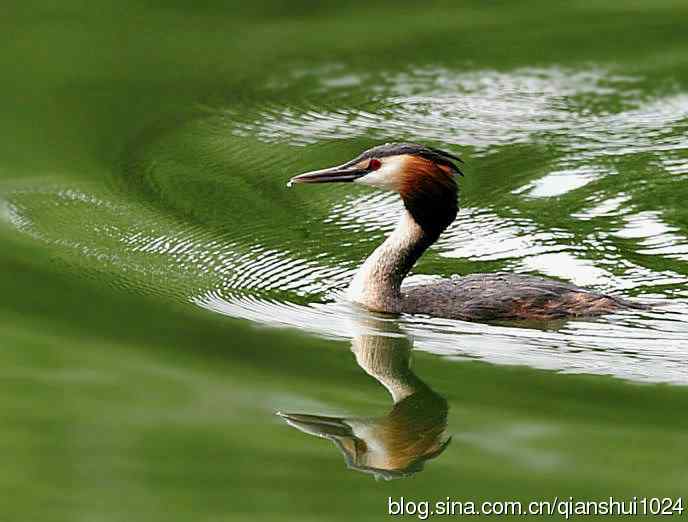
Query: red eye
[{"x": 374, "y": 164}]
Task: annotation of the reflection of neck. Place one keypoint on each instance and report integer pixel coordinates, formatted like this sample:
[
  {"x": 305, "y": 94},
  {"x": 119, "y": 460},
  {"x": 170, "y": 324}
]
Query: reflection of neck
[
  {"x": 387, "y": 359},
  {"x": 377, "y": 284}
]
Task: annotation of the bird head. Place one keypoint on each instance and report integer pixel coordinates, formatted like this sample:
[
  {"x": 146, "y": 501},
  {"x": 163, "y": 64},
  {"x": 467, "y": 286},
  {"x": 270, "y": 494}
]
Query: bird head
[{"x": 423, "y": 176}]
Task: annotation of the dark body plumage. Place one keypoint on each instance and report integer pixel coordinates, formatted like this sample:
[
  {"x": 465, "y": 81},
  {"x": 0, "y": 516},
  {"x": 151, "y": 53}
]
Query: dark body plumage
[{"x": 499, "y": 296}]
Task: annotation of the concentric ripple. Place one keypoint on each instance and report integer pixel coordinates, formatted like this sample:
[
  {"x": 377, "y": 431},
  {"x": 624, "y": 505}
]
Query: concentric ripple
[{"x": 574, "y": 174}]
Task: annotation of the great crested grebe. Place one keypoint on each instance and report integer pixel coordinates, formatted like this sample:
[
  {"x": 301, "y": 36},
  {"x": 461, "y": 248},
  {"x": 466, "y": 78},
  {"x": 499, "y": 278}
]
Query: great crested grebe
[{"x": 424, "y": 177}]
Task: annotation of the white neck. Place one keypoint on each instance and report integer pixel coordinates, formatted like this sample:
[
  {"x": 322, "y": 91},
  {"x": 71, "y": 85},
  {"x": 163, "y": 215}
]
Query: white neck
[{"x": 377, "y": 284}]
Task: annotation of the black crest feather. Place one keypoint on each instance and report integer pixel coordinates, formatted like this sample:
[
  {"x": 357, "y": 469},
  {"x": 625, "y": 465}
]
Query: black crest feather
[{"x": 441, "y": 157}]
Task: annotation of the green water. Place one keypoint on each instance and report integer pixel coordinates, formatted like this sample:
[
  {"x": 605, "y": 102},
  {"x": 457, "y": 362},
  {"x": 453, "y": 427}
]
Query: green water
[{"x": 164, "y": 294}]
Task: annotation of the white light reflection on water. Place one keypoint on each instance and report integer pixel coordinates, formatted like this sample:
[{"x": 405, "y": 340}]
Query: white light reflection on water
[
  {"x": 485, "y": 110},
  {"x": 558, "y": 183}
]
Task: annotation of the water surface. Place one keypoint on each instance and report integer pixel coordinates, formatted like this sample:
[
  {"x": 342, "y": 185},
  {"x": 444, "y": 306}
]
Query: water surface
[{"x": 164, "y": 293}]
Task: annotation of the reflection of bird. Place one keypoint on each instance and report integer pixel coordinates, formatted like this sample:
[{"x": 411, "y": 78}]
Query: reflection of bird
[
  {"x": 424, "y": 177},
  {"x": 397, "y": 444}
]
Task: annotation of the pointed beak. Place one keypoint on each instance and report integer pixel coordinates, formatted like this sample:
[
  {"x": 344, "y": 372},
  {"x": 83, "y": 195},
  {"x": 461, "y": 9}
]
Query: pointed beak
[
  {"x": 340, "y": 174},
  {"x": 317, "y": 424}
]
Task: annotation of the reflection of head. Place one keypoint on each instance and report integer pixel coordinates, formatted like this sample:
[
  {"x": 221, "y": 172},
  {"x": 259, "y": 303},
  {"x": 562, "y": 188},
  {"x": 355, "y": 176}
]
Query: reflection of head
[
  {"x": 414, "y": 431},
  {"x": 398, "y": 443}
]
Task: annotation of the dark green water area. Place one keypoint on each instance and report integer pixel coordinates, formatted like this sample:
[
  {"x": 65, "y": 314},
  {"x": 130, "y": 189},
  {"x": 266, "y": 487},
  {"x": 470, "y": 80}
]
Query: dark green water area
[{"x": 163, "y": 294}]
